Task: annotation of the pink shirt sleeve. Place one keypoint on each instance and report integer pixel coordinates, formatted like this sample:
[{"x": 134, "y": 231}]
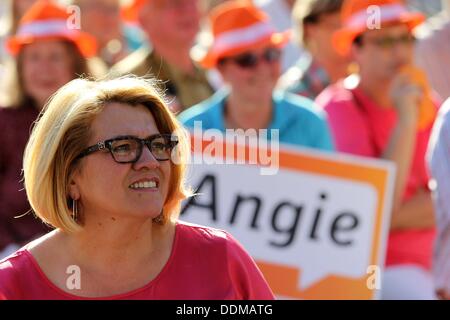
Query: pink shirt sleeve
[
  {"x": 8, "y": 281},
  {"x": 247, "y": 279}
]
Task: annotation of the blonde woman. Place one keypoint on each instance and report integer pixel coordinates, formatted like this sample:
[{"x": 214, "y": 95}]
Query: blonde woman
[{"x": 105, "y": 166}]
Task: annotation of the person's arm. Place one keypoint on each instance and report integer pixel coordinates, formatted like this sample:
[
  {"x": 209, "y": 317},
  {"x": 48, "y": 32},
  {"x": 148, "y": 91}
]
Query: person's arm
[
  {"x": 400, "y": 149},
  {"x": 416, "y": 213},
  {"x": 438, "y": 160}
]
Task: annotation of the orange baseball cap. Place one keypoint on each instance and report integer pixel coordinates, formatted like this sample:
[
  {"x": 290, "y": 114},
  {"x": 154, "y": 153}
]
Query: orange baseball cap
[
  {"x": 45, "y": 20},
  {"x": 357, "y": 15},
  {"x": 239, "y": 26}
]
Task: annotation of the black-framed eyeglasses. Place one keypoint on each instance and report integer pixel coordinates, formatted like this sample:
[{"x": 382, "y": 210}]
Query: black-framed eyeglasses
[
  {"x": 128, "y": 149},
  {"x": 250, "y": 60}
]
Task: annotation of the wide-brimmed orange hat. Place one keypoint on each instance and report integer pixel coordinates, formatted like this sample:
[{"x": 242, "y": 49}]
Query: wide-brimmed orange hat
[
  {"x": 130, "y": 12},
  {"x": 45, "y": 20},
  {"x": 361, "y": 15},
  {"x": 239, "y": 26}
]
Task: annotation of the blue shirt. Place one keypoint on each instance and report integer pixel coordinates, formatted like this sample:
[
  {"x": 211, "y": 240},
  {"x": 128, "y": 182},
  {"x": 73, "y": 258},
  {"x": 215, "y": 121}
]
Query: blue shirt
[{"x": 298, "y": 120}]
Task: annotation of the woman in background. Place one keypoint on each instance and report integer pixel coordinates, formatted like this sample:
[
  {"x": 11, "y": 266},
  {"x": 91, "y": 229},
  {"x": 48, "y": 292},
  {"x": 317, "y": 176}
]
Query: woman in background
[{"x": 43, "y": 62}]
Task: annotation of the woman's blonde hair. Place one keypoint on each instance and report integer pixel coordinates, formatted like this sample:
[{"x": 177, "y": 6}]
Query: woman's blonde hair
[{"x": 63, "y": 131}]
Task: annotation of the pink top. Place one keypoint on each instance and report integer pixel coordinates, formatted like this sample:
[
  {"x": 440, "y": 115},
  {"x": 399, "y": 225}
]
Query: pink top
[
  {"x": 205, "y": 263},
  {"x": 363, "y": 128}
]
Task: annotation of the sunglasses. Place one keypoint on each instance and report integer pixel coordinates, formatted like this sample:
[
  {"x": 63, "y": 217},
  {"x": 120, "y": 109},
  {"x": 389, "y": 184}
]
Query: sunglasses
[
  {"x": 250, "y": 60},
  {"x": 390, "y": 42},
  {"x": 128, "y": 149}
]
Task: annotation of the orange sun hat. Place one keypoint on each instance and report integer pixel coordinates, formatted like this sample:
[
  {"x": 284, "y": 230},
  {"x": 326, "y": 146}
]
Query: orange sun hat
[
  {"x": 361, "y": 15},
  {"x": 238, "y": 26},
  {"x": 130, "y": 12},
  {"x": 45, "y": 20}
]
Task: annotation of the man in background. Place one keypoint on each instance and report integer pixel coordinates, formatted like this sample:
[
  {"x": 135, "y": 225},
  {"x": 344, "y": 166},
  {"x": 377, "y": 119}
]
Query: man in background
[{"x": 171, "y": 27}]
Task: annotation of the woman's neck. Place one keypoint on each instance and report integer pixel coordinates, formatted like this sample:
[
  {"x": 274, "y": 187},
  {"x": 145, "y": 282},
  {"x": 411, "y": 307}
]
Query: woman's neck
[
  {"x": 241, "y": 113},
  {"x": 178, "y": 57},
  {"x": 114, "y": 241},
  {"x": 106, "y": 255},
  {"x": 377, "y": 91},
  {"x": 335, "y": 71}
]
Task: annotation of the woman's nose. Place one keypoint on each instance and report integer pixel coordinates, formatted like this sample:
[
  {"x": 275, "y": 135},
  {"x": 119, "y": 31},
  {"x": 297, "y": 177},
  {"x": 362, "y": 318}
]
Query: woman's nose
[{"x": 147, "y": 159}]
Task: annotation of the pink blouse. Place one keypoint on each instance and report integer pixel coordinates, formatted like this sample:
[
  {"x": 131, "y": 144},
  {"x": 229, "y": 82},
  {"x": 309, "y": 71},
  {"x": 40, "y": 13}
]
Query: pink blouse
[{"x": 205, "y": 263}]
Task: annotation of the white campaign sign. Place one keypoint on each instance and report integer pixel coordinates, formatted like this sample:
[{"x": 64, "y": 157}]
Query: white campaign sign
[{"x": 322, "y": 225}]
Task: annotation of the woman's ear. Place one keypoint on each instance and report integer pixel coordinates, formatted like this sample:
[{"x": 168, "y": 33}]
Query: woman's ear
[
  {"x": 309, "y": 36},
  {"x": 220, "y": 68},
  {"x": 74, "y": 191},
  {"x": 355, "y": 53}
]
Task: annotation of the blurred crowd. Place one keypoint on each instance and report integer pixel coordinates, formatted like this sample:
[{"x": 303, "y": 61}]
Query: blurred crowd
[{"x": 328, "y": 74}]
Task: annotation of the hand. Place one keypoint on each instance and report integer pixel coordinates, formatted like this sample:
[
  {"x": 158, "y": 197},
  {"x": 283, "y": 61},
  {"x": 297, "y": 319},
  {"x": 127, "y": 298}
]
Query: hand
[
  {"x": 406, "y": 97},
  {"x": 416, "y": 213}
]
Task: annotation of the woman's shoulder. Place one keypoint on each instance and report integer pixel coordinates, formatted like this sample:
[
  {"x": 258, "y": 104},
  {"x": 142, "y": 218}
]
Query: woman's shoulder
[
  {"x": 202, "y": 234},
  {"x": 225, "y": 254},
  {"x": 20, "y": 271},
  {"x": 209, "y": 239},
  {"x": 11, "y": 269},
  {"x": 40, "y": 249},
  {"x": 298, "y": 112},
  {"x": 12, "y": 262},
  {"x": 338, "y": 95},
  {"x": 47, "y": 249},
  {"x": 206, "y": 111}
]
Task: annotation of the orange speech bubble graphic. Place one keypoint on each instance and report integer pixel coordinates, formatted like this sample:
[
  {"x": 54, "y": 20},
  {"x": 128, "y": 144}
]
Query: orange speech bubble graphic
[{"x": 320, "y": 275}]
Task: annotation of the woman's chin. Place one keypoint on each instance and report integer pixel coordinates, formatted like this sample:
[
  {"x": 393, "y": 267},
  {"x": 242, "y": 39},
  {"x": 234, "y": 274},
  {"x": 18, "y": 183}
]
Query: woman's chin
[{"x": 150, "y": 211}]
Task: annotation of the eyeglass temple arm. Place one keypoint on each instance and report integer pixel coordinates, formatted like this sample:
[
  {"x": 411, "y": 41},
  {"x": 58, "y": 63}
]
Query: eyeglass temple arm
[{"x": 99, "y": 146}]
